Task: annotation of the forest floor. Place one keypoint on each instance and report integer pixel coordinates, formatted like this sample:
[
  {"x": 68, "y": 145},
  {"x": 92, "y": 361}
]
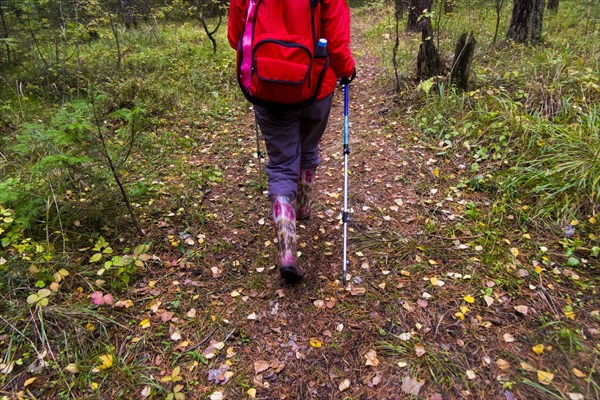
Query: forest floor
[
  {"x": 423, "y": 315},
  {"x": 426, "y": 314}
]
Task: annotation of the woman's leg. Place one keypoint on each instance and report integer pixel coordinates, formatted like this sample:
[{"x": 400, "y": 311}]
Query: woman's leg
[
  {"x": 281, "y": 131},
  {"x": 312, "y": 126}
]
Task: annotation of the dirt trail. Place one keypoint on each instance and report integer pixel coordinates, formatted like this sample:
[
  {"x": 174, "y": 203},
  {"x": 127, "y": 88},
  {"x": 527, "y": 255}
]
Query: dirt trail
[
  {"x": 317, "y": 329},
  {"x": 423, "y": 306}
]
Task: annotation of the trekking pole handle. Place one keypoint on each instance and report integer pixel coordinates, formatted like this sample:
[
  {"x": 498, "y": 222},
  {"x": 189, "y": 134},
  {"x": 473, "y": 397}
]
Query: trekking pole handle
[{"x": 346, "y": 147}]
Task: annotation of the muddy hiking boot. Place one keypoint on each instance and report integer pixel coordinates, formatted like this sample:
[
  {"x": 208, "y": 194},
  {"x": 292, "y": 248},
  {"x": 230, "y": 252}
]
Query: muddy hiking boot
[
  {"x": 284, "y": 216},
  {"x": 306, "y": 181}
]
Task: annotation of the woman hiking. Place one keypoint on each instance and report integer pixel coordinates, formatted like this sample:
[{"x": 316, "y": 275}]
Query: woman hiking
[{"x": 289, "y": 73}]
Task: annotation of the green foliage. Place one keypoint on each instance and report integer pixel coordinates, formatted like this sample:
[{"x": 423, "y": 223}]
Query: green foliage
[
  {"x": 63, "y": 160},
  {"x": 18, "y": 248},
  {"x": 122, "y": 266},
  {"x": 563, "y": 176},
  {"x": 529, "y": 127}
]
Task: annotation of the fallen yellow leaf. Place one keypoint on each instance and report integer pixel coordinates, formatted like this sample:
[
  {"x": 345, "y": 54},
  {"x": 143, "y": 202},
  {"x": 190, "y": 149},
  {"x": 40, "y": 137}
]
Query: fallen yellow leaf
[
  {"x": 579, "y": 374},
  {"x": 124, "y": 303},
  {"x": 420, "y": 350},
  {"x": 252, "y": 393},
  {"x": 216, "y": 396},
  {"x": 94, "y": 385},
  {"x": 319, "y": 303},
  {"x": 508, "y": 338},
  {"x": 514, "y": 251},
  {"x": 174, "y": 377},
  {"x": 29, "y": 381},
  {"x": 371, "y": 357},
  {"x": 502, "y": 364},
  {"x": 538, "y": 348},
  {"x": 72, "y": 368},
  {"x": 545, "y": 377},
  {"x": 260, "y": 366},
  {"x": 345, "y": 384},
  {"x": 107, "y": 361},
  {"x": 469, "y": 299},
  {"x": 522, "y": 309},
  {"x": 569, "y": 314},
  {"x": 315, "y": 343},
  {"x": 528, "y": 367},
  {"x": 145, "y": 323}
]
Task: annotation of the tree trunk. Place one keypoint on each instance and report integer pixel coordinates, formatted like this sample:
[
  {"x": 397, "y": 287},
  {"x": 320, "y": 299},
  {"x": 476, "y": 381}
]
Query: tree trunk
[
  {"x": 428, "y": 60},
  {"x": 399, "y": 7},
  {"x": 518, "y": 30},
  {"x": 127, "y": 8},
  {"x": 415, "y": 10},
  {"x": 537, "y": 17},
  {"x": 553, "y": 5},
  {"x": 116, "y": 35},
  {"x": 463, "y": 57},
  {"x": 499, "y": 4},
  {"x": 6, "y": 34}
]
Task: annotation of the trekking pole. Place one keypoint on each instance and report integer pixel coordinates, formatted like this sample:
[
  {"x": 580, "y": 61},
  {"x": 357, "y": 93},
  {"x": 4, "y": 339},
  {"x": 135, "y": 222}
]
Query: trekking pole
[
  {"x": 258, "y": 154},
  {"x": 345, "y": 217}
]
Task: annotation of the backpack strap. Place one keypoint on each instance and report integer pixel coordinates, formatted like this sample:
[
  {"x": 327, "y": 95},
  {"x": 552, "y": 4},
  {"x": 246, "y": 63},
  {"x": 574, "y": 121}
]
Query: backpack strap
[{"x": 246, "y": 47}]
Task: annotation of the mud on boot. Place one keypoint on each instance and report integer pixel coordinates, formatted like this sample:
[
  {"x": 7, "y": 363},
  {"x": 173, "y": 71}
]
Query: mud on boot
[
  {"x": 284, "y": 217},
  {"x": 306, "y": 181}
]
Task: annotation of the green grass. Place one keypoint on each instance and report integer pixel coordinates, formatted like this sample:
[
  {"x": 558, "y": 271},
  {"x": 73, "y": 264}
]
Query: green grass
[
  {"x": 62, "y": 197},
  {"x": 529, "y": 126},
  {"x": 527, "y": 136}
]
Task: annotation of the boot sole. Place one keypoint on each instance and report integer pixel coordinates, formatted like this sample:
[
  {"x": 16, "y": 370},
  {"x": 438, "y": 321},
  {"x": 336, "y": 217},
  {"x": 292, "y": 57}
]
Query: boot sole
[{"x": 290, "y": 274}]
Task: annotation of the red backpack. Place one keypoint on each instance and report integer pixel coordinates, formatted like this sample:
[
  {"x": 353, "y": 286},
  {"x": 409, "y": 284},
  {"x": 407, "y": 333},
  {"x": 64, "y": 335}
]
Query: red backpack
[{"x": 276, "y": 62}]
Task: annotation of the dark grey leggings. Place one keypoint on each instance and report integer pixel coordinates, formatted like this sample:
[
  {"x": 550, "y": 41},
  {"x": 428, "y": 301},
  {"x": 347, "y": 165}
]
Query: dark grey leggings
[{"x": 292, "y": 140}]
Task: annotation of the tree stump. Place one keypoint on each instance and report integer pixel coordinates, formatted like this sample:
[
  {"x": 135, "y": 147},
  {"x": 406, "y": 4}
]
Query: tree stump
[
  {"x": 463, "y": 57},
  {"x": 428, "y": 59}
]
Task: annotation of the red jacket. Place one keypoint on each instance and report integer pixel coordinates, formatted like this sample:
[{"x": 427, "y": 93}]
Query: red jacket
[{"x": 335, "y": 27}]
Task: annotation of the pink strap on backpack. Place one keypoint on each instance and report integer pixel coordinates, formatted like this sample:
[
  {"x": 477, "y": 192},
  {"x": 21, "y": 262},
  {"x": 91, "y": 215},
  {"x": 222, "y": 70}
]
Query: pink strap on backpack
[{"x": 246, "y": 67}]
